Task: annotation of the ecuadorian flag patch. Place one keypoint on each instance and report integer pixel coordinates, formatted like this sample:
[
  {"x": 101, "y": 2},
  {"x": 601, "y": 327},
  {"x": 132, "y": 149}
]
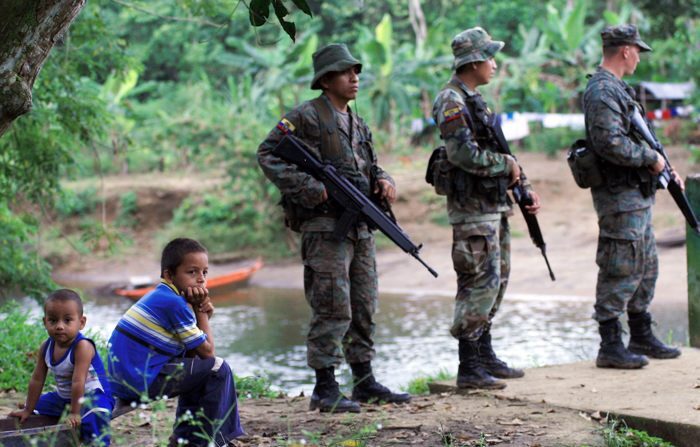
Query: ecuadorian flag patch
[
  {"x": 452, "y": 114},
  {"x": 286, "y": 126}
]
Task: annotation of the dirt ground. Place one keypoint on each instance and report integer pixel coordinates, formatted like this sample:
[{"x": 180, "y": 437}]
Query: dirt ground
[{"x": 569, "y": 226}]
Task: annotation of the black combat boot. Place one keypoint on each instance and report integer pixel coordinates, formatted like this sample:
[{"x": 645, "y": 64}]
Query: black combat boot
[
  {"x": 643, "y": 341},
  {"x": 612, "y": 353},
  {"x": 327, "y": 396},
  {"x": 495, "y": 366},
  {"x": 367, "y": 389},
  {"x": 471, "y": 373}
]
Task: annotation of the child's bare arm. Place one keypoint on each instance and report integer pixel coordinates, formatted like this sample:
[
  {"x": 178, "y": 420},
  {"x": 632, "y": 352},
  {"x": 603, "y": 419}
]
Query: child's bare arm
[
  {"x": 84, "y": 353},
  {"x": 198, "y": 297},
  {"x": 36, "y": 384}
]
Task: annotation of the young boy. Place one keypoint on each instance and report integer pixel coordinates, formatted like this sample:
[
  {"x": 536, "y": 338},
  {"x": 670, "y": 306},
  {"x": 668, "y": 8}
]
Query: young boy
[
  {"x": 163, "y": 345},
  {"x": 80, "y": 377}
]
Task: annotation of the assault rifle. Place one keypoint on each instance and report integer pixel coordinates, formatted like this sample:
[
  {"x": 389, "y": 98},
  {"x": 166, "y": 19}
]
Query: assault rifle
[
  {"x": 666, "y": 179},
  {"x": 522, "y": 198},
  {"x": 353, "y": 202}
]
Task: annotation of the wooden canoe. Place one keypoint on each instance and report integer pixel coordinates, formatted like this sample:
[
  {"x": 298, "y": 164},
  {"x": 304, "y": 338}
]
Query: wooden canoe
[
  {"x": 239, "y": 277},
  {"x": 45, "y": 431}
]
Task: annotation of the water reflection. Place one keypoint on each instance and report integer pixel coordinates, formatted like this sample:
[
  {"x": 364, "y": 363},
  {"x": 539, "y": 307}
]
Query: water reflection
[{"x": 263, "y": 330}]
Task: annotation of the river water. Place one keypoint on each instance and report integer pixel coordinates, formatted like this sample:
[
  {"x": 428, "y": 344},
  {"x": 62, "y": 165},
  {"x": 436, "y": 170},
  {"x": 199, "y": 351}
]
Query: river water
[{"x": 262, "y": 331}]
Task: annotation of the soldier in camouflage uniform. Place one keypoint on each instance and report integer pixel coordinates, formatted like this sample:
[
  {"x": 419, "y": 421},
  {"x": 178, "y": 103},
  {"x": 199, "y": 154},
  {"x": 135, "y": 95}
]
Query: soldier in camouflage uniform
[
  {"x": 626, "y": 256},
  {"x": 340, "y": 277},
  {"x": 478, "y": 207}
]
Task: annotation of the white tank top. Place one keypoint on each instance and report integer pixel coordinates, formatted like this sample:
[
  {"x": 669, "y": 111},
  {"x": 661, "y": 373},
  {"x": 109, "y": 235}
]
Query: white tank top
[{"x": 63, "y": 369}]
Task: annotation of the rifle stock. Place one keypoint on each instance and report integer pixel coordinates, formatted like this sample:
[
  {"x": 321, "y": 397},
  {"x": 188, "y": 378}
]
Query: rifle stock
[
  {"x": 666, "y": 178},
  {"x": 352, "y": 201},
  {"x": 521, "y": 197}
]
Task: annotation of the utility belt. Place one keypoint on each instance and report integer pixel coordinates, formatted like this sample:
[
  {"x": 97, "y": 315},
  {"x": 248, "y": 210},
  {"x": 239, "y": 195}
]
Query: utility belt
[
  {"x": 295, "y": 215},
  {"x": 590, "y": 171},
  {"x": 449, "y": 180}
]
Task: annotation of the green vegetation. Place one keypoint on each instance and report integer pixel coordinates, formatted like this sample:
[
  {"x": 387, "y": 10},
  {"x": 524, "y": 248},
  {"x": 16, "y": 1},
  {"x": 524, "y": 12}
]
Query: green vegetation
[
  {"x": 190, "y": 87},
  {"x": 419, "y": 385},
  {"x": 617, "y": 434}
]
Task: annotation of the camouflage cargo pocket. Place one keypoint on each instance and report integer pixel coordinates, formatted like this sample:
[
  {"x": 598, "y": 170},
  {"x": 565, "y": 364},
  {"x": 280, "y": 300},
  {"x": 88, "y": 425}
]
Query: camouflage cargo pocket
[
  {"x": 618, "y": 257},
  {"x": 472, "y": 247}
]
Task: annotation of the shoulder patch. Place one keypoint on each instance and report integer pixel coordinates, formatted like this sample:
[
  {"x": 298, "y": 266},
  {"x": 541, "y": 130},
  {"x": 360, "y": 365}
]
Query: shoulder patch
[
  {"x": 451, "y": 114},
  {"x": 286, "y": 126}
]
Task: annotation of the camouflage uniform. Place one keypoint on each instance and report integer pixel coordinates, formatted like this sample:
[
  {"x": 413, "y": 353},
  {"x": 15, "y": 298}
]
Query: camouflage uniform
[
  {"x": 481, "y": 235},
  {"x": 340, "y": 278},
  {"x": 626, "y": 255}
]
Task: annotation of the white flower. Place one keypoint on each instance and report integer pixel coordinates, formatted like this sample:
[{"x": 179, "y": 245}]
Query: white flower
[
  {"x": 302, "y": 441},
  {"x": 81, "y": 400},
  {"x": 133, "y": 404},
  {"x": 164, "y": 397},
  {"x": 142, "y": 406},
  {"x": 379, "y": 426}
]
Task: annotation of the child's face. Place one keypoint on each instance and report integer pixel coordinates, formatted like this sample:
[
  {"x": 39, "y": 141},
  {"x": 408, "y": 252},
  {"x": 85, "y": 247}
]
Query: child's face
[
  {"x": 62, "y": 321},
  {"x": 192, "y": 272}
]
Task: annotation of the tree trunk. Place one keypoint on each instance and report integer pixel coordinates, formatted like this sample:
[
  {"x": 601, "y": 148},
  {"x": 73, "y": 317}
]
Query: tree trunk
[
  {"x": 417, "y": 18},
  {"x": 28, "y": 31}
]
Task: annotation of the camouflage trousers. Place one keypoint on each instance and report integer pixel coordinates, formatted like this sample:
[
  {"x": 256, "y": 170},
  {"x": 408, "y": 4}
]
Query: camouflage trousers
[
  {"x": 481, "y": 258},
  {"x": 628, "y": 265},
  {"x": 340, "y": 283}
]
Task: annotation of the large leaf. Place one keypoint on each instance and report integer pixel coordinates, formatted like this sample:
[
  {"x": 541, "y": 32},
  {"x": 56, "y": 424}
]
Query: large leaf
[
  {"x": 383, "y": 34},
  {"x": 259, "y": 12},
  {"x": 301, "y": 4}
]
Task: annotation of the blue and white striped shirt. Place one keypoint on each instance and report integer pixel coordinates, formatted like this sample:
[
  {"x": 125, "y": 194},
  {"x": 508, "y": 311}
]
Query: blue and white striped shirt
[{"x": 156, "y": 329}]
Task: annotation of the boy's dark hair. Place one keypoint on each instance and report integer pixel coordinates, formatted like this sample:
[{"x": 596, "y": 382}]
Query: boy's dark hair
[
  {"x": 65, "y": 295},
  {"x": 175, "y": 251}
]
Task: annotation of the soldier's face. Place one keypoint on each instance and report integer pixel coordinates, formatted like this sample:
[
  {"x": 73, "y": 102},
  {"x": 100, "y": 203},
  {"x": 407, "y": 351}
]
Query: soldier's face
[
  {"x": 632, "y": 58},
  {"x": 485, "y": 71},
  {"x": 343, "y": 84}
]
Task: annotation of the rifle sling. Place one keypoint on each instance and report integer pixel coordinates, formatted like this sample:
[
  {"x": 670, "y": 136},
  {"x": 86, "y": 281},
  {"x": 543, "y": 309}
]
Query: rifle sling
[{"x": 331, "y": 148}]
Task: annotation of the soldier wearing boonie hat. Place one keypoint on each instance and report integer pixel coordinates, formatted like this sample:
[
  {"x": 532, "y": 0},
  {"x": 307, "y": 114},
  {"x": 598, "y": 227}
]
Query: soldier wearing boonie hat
[
  {"x": 343, "y": 300},
  {"x": 615, "y": 36},
  {"x": 475, "y": 176},
  {"x": 626, "y": 256}
]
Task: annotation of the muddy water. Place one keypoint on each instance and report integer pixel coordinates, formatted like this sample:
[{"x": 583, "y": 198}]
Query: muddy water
[{"x": 262, "y": 331}]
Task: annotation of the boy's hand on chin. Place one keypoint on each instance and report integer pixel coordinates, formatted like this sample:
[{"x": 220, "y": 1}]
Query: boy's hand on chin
[{"x": 196, "y": 295}]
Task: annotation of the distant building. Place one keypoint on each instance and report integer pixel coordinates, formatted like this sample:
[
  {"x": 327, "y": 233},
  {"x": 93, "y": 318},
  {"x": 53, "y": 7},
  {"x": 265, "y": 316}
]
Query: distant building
[{"x": 664, "y": 95}]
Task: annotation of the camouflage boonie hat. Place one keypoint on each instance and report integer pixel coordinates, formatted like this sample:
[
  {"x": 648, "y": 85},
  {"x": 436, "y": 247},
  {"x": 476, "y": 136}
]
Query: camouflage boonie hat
[
  {"x": 332, "y": 57},
  {"x": 474, "y": 45},
  {"x": 615, "y": 36}
]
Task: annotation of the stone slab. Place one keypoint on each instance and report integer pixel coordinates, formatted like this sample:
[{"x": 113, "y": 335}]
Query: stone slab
[{"x": 663, "y": 398}]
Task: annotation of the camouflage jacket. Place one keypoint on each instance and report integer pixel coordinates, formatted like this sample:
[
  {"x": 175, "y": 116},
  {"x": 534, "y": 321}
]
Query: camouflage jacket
[
  {"x": 607, "y": 105},
  {"x": 474, "y": 154},
  {"x": 355, "y": 163}
]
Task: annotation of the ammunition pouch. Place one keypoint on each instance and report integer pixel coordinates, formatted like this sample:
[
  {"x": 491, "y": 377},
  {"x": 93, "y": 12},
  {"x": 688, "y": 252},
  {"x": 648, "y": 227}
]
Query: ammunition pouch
[
  {"x": 440, "y": 172},
  {"x": 448, "y": 180},
  {"x": 619, "y": 178},
  {"x": 295, "y": 215},
  {"x": 584, "y": 165}
]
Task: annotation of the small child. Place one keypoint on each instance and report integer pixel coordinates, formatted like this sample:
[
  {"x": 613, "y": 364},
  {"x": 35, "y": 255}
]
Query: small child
[
  {"x": 163, "y": 345},
  {"x": 76, "y": 365}
]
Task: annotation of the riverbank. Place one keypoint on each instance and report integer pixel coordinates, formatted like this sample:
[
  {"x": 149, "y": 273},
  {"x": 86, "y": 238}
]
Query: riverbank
[{"x": 569, "y": 226}]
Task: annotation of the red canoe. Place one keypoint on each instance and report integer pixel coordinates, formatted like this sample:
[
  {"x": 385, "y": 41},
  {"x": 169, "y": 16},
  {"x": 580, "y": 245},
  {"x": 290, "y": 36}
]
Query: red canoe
[{"x": 240, "y": 276}]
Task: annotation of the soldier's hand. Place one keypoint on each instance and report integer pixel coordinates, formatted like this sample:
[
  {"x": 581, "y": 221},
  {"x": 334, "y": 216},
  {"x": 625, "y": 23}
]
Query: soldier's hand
[
  {"x": 387, "y": 190},
  {"x": 678, "y": 179},
  {"x": 324, "y": 195},
  {"x": 658, "y": 166},
  {"x": 514, "y": 171},
  {"x": 535, "y": 207}
]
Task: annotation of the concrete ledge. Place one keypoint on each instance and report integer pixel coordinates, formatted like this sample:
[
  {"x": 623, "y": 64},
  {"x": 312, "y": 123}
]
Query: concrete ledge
[{"x": 662, "y": 399}]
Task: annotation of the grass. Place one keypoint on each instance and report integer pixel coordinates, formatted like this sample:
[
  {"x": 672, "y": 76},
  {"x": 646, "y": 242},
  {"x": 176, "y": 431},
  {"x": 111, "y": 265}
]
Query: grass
[
  {"x": 618, "y": 434},
  {"x": 419, "y": 385},
  {"x": 21, "y": 336}
]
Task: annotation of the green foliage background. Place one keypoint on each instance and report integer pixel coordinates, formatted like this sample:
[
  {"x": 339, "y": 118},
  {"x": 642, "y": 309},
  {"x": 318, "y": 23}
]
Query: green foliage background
[{"x": 190, "y": 87}]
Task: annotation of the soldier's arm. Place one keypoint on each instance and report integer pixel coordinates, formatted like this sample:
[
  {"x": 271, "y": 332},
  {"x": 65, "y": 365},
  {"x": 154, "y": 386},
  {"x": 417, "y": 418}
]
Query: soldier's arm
[
  {"x": 299, "y": 186},
  {"x": 608, "y": 135},
  {"x": 461, "y": 146}
]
